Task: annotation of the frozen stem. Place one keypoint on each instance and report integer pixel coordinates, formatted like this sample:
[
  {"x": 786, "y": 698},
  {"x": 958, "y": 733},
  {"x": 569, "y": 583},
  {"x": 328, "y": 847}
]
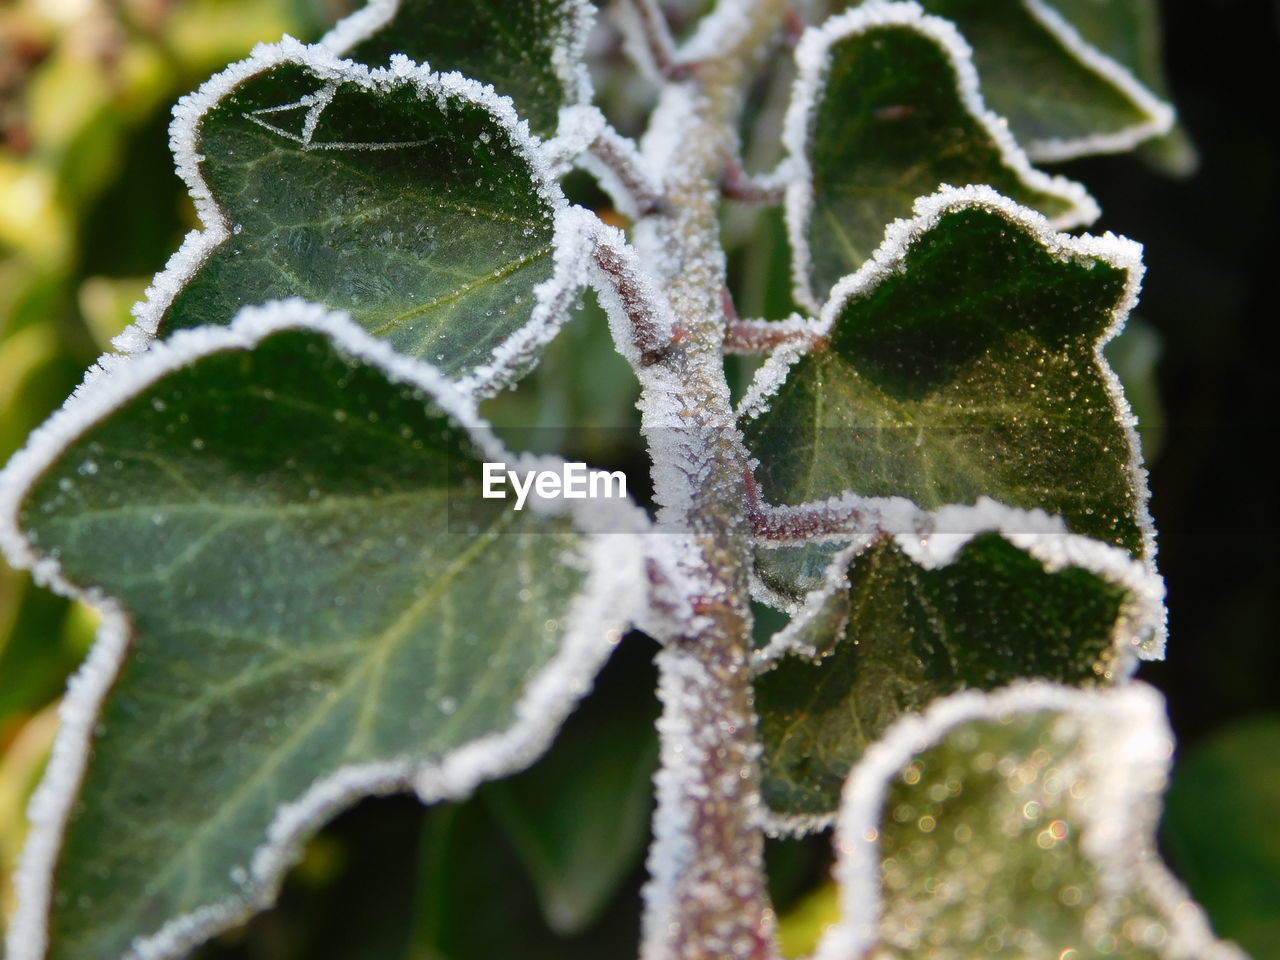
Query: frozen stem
[
  {"x": 706, "y": 774},
  {"x": 620, "y": 156},
  {"x": 707, "y": 897},
  {"x": 650, "y": 330},
  {"x": 658, "y": 41},
  {"x": 765, "y": 336},
  {"x": 810, "y": 521},
  {"x": 741, "y": 186}
]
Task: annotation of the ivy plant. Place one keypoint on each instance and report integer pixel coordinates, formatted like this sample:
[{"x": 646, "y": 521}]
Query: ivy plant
[{"x": 900, "y": 581}]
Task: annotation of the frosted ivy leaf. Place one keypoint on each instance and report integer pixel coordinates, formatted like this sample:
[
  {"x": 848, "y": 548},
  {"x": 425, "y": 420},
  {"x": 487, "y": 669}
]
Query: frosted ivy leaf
[
  {"x": 415, "y": 201},
  {"x": 988, "y": 597},
  {"x": 1017, "y": 824},
  {"x": 529, "y": 50},
  {"x": 886, "y": 108},
  {"x": 306, "y": 601},
  {"x": 1128, "y": 31},
  {"x": 1062, "y": 95},
  {"x": 962, "y": 361}
]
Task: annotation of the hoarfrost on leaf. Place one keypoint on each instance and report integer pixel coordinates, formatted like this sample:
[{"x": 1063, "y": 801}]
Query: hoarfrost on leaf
[
  {"x": 1063, "y": 96},
  {"x": 529, "y": 50},
  {"x": 963, "y": 597},
  {"x": 1020, "y": 820},
  {"x": 315, "y": 582},
  {"x": 886, "y": 108},
  {"x": 964, "y": 360},
  {"x": 414, "y": 200}
]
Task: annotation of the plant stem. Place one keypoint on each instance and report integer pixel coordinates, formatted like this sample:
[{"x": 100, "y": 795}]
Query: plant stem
[
  {"x": 657, "y": 38},
  {"x": 608, "y": 148},
  {"x": 707, "y": 897},
  {"x": 767, "y": 336}
]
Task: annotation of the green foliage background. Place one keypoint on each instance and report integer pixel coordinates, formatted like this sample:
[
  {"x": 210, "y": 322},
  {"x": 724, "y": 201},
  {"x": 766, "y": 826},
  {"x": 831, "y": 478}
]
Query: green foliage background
[{"x": 90, "y": 209}]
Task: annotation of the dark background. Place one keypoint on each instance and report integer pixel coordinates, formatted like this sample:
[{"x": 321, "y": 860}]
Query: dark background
[
  {"x": 1211, "y": 266},
  {"x": 1211, "y": 256}
]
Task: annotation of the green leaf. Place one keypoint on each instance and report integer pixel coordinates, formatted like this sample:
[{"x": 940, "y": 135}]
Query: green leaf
[
  {"x": 1128, "y": 31},
  {"x": 529, "y": 50},
  {"x": 1063, "y": 97},
  {"x": 894, "y": 633},
  {"x": 318, "y": 605},
  {"x": 1015, "y": 824},
  {"x": 963, "y": 361},
  {"x": 414, "y": 202},
  {"x": 1221, "y": 832},
  {"x": 885, "y": 109}
]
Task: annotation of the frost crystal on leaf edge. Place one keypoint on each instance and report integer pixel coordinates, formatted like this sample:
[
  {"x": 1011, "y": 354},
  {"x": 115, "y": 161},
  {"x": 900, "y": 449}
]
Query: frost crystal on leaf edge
[
  {"x": 552, "y": 297},
  {"x": 572, "y": 32},
  {"x": 933, "y": 538},
  {"x": 1160, "y": 115},
  {"x": 812, "y": 58},
  {"x": 888, "y": 259},
  {"x": 611, "y": 600},
  {"x": 1129, "y": 747}
]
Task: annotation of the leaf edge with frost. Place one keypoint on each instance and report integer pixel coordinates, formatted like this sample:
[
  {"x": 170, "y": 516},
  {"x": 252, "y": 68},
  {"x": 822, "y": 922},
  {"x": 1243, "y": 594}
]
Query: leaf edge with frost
[
  {"x": 933, "y": 539},
  {"x": 889, "y": 258},
  {"x": 1161, "y": 114},
  {"x": 608, "y": 604},
  {"x": 568, "y": 57},
  {"x": 580, "y": 122},
  {"x": 813, "y": 57},
  {"x": 571, "y": 232},
  {"x": 1137, "y": 746}
]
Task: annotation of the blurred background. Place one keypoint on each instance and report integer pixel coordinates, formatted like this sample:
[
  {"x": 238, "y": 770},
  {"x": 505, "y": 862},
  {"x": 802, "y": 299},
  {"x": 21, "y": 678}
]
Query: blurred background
[{"x": 90, "y": 209}]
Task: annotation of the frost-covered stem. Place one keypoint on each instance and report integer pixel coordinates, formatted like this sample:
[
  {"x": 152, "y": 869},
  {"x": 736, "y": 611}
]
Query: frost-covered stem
[
  {"x": 743, "y": 187},
  {"x": 611, "y": 150},
  {"x": 657, "y": 38},
  {"x": 805, "y": 525},
  {"x": 808, "y": 521},
  {"x": 646, "y": 331},
  {"x": 765, "y": 336},
  {"x": 707, "y": 896}
]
